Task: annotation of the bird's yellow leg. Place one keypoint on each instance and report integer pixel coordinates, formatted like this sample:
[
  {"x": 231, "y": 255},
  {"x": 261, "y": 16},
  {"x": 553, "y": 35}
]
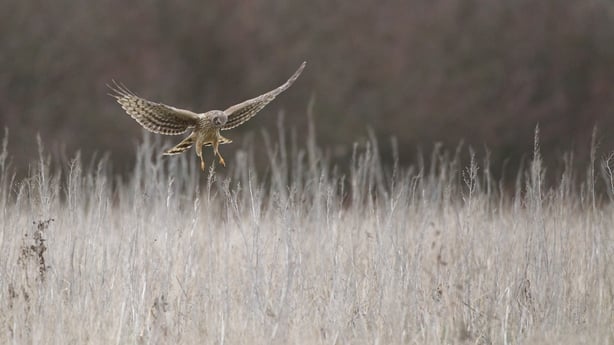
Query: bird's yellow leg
[
  {"x": 217, "y": 152},
  {"x": 199, "y": 153}
]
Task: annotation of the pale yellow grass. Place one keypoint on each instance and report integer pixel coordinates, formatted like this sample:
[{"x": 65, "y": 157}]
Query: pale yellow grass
[{"x": 303, "y": 255}]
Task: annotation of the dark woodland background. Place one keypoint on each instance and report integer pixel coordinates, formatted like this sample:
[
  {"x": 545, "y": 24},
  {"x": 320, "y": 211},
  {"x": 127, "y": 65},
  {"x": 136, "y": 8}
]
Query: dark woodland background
[{"x": 485, "y": 72}]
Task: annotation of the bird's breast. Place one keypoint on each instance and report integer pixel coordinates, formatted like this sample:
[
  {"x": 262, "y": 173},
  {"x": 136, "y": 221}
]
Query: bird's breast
[{"x": 207, "y": 134}]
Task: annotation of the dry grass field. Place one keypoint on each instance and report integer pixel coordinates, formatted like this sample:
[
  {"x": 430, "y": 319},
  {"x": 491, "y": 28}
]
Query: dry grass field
[{"x": 306, "y": 252}]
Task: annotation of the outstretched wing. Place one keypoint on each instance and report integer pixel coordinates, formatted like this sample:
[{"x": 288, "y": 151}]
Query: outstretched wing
[
  {"x": 240, "y": 113},
  {"x": 155, "y": 117}
]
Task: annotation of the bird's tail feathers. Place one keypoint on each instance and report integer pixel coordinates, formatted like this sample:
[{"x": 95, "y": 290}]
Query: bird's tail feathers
[
  {"x": 221, "y": 140},
  {"x": 181, "y": 147},
  {"x": 224, "y": 140}
]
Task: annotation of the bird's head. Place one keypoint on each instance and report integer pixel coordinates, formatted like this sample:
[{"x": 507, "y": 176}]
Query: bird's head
[{"x": 218, "y": 118}]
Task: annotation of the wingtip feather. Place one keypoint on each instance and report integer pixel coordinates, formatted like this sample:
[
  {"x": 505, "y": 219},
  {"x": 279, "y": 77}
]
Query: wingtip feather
[{"x": 120, "y": 90}]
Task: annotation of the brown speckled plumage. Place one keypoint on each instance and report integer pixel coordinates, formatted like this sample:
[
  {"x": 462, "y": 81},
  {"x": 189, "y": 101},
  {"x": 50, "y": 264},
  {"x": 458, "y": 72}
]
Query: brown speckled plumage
[{"x": 165, "y": 119}]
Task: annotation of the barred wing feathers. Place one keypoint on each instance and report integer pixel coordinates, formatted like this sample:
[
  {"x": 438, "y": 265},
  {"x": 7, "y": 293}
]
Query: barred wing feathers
[
  {"x": 240, "y": 113},
  {"x": 155, "y": 117}
]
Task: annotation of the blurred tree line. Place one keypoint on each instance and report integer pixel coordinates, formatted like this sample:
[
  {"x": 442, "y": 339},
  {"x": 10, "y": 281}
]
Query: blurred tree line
[{"x": 482, "y": 71}]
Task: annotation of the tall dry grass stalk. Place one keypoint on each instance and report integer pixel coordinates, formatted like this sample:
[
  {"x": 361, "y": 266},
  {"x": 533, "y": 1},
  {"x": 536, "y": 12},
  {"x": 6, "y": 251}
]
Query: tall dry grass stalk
[{"x": 305, "y": 253}]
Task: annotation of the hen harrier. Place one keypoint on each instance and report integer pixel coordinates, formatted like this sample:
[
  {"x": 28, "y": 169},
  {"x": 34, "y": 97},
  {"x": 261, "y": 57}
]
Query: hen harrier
[{"x": 165, "y": 119}]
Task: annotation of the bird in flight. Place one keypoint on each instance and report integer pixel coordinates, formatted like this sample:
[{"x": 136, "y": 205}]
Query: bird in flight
[{"x": 165, "y": 119}]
